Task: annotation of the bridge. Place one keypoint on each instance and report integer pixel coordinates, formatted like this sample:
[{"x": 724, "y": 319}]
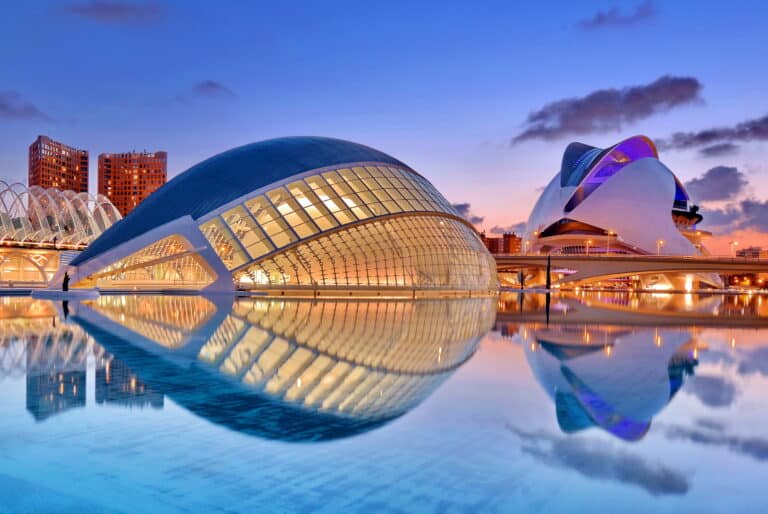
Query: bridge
[{"x": 578, "y": 268}]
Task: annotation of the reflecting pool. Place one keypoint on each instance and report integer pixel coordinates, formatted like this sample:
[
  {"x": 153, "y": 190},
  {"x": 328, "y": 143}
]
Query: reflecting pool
[{"x": 588, "y": 401}]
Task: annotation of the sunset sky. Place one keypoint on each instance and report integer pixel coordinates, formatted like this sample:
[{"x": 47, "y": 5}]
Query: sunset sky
[{"x": 481, "y": 99}]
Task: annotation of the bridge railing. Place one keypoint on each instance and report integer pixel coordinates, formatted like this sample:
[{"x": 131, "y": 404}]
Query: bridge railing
[{"x": 599, "y": 256}]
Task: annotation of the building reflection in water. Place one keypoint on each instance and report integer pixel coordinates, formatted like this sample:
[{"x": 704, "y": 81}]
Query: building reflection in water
[
  {"x": 53, "y": 357},
  {"x": 615, "y": 359},
  {"x": 117, "y": 384},
  {"x": 612, "y": 377},
  {"x": 289, "y": 369}
]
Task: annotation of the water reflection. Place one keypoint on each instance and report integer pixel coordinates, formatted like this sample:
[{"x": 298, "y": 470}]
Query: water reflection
[
  {"x": 294, "y": 370},
  {"x": 611, "y": 377},
  {"x": 633, "y": 308},
  {"x": 616, "y": 360}
]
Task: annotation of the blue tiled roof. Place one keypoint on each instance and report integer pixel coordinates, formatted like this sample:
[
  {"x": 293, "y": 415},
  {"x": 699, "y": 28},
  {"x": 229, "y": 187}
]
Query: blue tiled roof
[{"x": 229, "y": 175}]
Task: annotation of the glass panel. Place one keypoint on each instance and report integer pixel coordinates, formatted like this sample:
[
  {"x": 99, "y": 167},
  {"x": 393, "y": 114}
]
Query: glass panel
[
  {"x": 292, "y": 212},
  {"x": 331, "y": 200},
  {"x": 223, "y": 243},
  {"x": 347, "y": 196},
  {"x": 272, "y": 223},
  {"x": 251, "y": 236},
  {"x": 168, "y": 262},
  {"x": 312, "y": 205}
]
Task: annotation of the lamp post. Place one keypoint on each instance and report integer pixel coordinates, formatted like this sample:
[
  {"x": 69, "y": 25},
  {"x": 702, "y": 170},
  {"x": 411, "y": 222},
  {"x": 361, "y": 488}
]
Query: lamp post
[
  {"x": 659, "y": 244},
  {"x": 527, "y": 244},
  {"x": 611, "y": 233},
  {"x": 734, "y": 244},
  {"x": 589, "y": 243}
]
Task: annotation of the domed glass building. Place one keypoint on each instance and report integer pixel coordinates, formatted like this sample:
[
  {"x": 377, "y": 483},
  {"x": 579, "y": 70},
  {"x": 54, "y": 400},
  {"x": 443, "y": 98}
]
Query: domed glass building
[{"x": 291, "y": 213}]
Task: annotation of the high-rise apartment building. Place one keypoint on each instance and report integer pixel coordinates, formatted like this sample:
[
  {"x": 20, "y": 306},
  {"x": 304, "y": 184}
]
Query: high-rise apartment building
[
  {"x": 128, "y": 178},
  {"x": 54, "y": 164},
  {"x": 509, "y": 243}
]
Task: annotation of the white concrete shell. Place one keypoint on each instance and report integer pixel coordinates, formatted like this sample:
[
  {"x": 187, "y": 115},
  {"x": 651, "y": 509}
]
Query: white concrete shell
[{"x": 632, "y": 205}]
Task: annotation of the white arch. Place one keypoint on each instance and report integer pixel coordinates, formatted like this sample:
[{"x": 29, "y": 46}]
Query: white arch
[{"x": 52, "y": 216}]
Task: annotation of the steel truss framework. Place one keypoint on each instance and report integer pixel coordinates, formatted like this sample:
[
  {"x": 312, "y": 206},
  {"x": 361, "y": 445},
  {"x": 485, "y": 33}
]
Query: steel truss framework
[{"x": 39, "y": 217}]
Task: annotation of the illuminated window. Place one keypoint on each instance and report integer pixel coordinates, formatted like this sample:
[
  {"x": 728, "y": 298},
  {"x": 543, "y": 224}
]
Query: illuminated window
[
  {"x": 224, "y": 243},
  {"x": 270, "y": 220},
  {"x": 250, "y": 235}
]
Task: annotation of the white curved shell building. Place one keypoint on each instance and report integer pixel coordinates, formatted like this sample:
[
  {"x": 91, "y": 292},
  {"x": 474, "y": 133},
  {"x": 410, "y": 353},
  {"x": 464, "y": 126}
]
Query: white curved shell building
[{"x": 618, "y": 200}]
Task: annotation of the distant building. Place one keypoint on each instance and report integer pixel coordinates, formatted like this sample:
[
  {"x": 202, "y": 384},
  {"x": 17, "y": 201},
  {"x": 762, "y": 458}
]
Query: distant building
[
  {"x": 752, "y": 252},
  {"x": 511, "y": 243},
  {"x": 54, "y": 164},
  {"x": 129, "y": 178},
  {"x": 508, "y": 243}
]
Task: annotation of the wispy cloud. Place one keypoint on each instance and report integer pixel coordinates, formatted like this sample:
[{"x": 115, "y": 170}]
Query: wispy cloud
[
  {"x": 115, "y": 11},
  {"x": 609, "y": 109},
  {"x": 465, "y": 211},
  {"x": 211, "y": 88},
  {"x": 743, "y": 215},
  {"x": 603, "y": 461},
  {"x": 14, "y": 107},
  {"x": 717, "y": 184},
  {"x": 613, "y": 17},
  {"x": 205, "y": 89},
  {"x": 719, "y": 150},
  {"x": 749, "y": 130},
  {"x": 754, "y": 447},
  {"x": 517, "y": 228},
  {"x": 713, "y": 391}
]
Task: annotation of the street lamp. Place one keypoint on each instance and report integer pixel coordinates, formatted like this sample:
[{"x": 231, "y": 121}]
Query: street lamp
[
  {"x": 659, "y": 244},
  {"x": 589, "y": 243},
  {"x": 611, "y": 233},
  {"x": 734, "y": 244},
  {"x": 527, "y": 244}
]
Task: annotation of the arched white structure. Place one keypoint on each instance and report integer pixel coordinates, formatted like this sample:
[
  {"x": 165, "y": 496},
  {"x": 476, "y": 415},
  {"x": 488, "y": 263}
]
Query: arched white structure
[
  {"x": 616, "y": 200},
  {"x": 39, "y": 217}
]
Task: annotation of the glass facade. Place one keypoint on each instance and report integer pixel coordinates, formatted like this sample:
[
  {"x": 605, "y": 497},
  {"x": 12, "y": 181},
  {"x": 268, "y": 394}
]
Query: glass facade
[
  {"x": 290, "y": 236},
  {"x": 425, "y": 252},
  {"x": 354, "y": 227},
  {"x": 27, "y": 267},
  {"x": 170, "y": 262}
]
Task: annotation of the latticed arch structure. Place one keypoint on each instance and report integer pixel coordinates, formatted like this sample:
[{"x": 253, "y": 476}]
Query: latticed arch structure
[
  {"x": 298, "y": 212},
  {"x": 39, "y": 217}
]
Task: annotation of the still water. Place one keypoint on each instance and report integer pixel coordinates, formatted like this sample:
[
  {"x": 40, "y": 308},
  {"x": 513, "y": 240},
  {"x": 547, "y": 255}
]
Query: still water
[{"x": 588, "y": 402}]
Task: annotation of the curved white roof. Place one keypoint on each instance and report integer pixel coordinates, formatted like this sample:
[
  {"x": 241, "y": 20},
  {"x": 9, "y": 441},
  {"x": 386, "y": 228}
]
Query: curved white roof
[{"x": 623, "y": 190}]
